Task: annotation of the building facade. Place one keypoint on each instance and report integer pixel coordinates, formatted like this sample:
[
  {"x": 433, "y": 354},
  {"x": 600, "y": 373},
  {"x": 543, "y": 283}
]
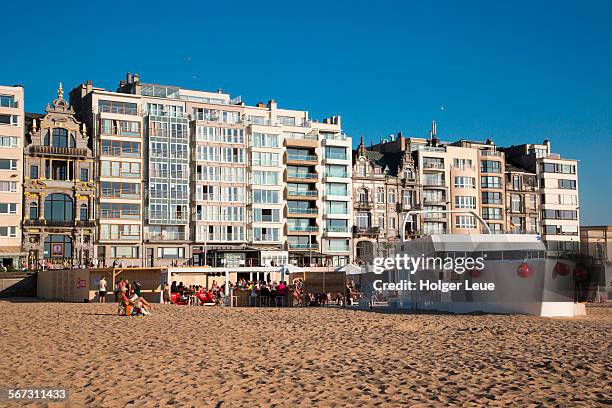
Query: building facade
[
  {"x": 59, "y": 195},
  {"x": 11, "y": 174}
]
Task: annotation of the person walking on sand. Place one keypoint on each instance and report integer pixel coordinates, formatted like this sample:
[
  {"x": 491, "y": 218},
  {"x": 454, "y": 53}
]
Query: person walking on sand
[
  {"x": 166, "y": 294},
  {"x": 102, "y": 290}
]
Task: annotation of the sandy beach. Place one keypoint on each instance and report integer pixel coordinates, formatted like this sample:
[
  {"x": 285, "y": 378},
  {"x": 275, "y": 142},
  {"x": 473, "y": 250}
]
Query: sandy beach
[{"x": 201, "y": 356}]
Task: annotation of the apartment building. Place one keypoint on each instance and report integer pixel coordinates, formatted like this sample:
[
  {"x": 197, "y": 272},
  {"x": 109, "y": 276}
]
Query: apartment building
[
  {"x": 490, "y": 166},
  {"x": 385, "y": 187},
  {"x": 522, "y": 200},
  {"x": 59, "y": 193},
  {"x": 222, "y": 183},
  {"x": 115, "y": 121},
  {"x": 166, "y": 172},
  {"x": 558, "y": 191},
  {"x": 11, "y": 173}
]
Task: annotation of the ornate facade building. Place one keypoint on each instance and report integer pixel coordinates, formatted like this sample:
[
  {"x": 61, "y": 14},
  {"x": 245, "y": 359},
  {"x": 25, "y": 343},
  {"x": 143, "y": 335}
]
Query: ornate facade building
[
  {"x": 385, "y": 188},
  {"x": 59, "y": 192}
]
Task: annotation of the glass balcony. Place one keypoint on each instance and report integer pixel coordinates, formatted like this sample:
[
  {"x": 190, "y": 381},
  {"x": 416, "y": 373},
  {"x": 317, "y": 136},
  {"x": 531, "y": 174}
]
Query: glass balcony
[
  {"x": 302, "y": 175},
  {"x": 295, "y": 210},
  {"x": 303, "y": 246},
  {"x": 303, "y": 228},
  {"x": 302, "y": 157},
  {"x": 308, "y": 193},
  {"x": 337, "y": 229}
]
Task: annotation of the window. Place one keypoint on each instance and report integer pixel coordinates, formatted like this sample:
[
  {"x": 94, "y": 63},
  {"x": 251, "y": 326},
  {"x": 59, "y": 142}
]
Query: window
[
  {"x": 124, "y": 108},
  {"x": 516, "y": 183},
  {"x": 8, "y": 164},
  {"x": 58, "y": 207},
  {"x": 33, "y": 211},
  {"x": 336, "y": 189},
  {"x": 336, "y": 245},
  {"x": 560, "y": 214},
  {"x": 332, "y": 225},
  {"x": 516, "y": 203},
  {"x": 491, "y": 213},
  {"x": 491, "y": 198},
  {"x": 8, "y": 232},
  {"x": 85, "y": 175},
  {"x": 265, "y": 177},
  {"x": 532, "y": 201},
  {"x": 465, "y": 202},
  {"x": 9, "y": 120},
  {"x": 58, "y": 246},
  {"x": 336, "y": 153},
  {"x": 464, "y": 182},
  {"x": 265, "y": 159},
  {"x": 121, "y": 210},
  {"x": 171, "y": 253},
  {"x": 391, "y": 197},
  {"x": 265, "y": 140},
  {"x": 265, "y": 197},
  {"x": 124, "y": 252},
  {"x": 567, "y": 184},
  {"x": 33, "y": 172},
  {"x": 266, "y": 215},
  {"x": 336, "y": 170},
  {"x": 336, "y": 207},
  {"x": 465, "y": 221},
  {"x": 380, "y": 195},
  {"x": 8, "y": 186},
  {"x": 363, "y": 219},
  {"x": 490, "y": 166},
  {"x": 490, "y": 182},
  {"x": 266, "y": 234},
  {"x": 462, "y": 163},
  {"x": 558, "y": 168},
  {"x": 363, "y": 195},
  {"x": 9, "y": 141},
  {"x": 84, "y": 212},
  {"x": 381, "y": 221},
  {"x": 60, "y": 137},
  {"x": 407, "y": 198},
  {"x": 120, "y": 231},
  {"x": 7, "y": 101},
  {"x": 8, "y": 208}
]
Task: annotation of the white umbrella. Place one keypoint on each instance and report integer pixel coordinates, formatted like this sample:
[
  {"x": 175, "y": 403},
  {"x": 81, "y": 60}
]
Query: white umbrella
[{"x": 351, "y": 269}]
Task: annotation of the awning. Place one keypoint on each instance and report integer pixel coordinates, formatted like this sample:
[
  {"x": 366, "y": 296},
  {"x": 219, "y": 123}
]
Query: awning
[{"x": 11, "y": 250}]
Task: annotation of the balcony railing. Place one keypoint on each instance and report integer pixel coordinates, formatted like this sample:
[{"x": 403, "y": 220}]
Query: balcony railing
[
  {"x": 303, "y": 228},
  {"x": 302, "y": 175},
  {"x": 60, "y": 224},
  {"x": 118, "y": 131},
  {"x": 179, "y": 134},
  {"x": 308, "y": 193},
  {"x": 59, "y": 151},
  {"x": 366, "y": 230},
  {"x": 303, "y": 246},
  {"x": 491, "y": 153},
  {"x": 305, "y": 136},
  {"x": 336, "y": 174},
  {"x": 294, "y": 210},
  {"x": 363, "y": 204},
  {"x": 302, "y": 157},
  {"x": 336, "y": 156},
  {"x": 117, "y": 193},
  {"x": 436, "y": 166},
  {"x": 337, "y": 229},
  {"x": 166, "y": 236},
  {"x": 118, "y": 109},
  {"x": 434, "y": 183},
  {"x": 131, "y": 214}
]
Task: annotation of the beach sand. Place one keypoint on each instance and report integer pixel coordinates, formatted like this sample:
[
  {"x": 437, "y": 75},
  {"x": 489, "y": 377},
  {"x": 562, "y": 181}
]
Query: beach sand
[{"x": 203, "y": 356}]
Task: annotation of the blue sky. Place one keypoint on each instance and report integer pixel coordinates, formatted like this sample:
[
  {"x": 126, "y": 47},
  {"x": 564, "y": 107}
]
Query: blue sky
[{"x": 519, "y": 71}]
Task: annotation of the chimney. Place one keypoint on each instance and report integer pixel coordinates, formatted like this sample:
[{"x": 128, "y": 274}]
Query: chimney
[
  {"x": 128, "y": 78},
  {"x": 547, "y": 143},
  {"x": 136, "y": 78},
  {"x": 261, "y": 105},
  {"x": 219, "y": 90},
  {"x": 433, "y": 129}
]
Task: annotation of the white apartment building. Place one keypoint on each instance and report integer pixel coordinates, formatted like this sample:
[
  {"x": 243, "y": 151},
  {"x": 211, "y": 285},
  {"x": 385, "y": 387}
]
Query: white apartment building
[
  {"x": 11, "y": 173},
  {"x": 115, "y": 121}
]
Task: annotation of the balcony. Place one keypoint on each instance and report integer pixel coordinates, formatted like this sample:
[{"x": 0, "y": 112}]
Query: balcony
[
  {"x": 59, "y": 151},
  {"x": 344, "y": 229},
  {"x": 302, "y": 228},
  {"x": 303, "y": 247},
  {"x": 433, "y": 166},
  {"x": 166, "y": 236},
  {"x": 490, "y": 153},
  {"x": 302, "y": 157},
  {"x": 307, "y": 193},
  {"x": 122, "y": 110},
  {"x": 117, "y": 193},
  {"x": 337, "y": 174},
  {"x": 371, "y": 231},
  {"x": 302, "y": 176},
  {"x": 177, "y": 134},
  {"x": 434, "y": 183},
  {"x": 59, "y": 224},
  {"x": 363, "y": 204},
  {"x": 118, "y": 131},
  {"x": 295, "y": 210},
  {"x": 434, "y": 200},
  {"x": 434, "y": 216},
  {"x": 335, "y": 156},
  {"x": 116, "y": 214}
]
